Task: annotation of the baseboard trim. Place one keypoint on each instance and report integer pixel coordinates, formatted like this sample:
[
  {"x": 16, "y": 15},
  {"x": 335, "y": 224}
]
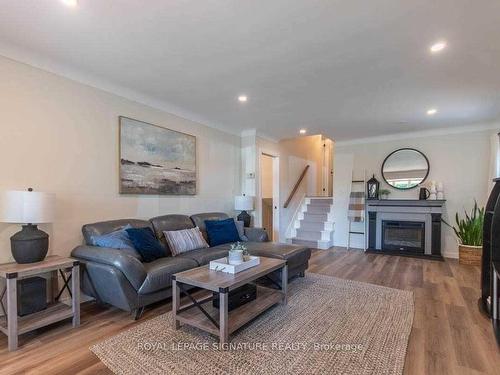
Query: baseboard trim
[{"x": 450, "y": 254}]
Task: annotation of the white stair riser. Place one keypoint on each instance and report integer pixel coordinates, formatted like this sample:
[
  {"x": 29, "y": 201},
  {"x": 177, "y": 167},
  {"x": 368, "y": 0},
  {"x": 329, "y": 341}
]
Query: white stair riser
[
  {"x": 324, "y": 235},
  {"x": 323, "y": 245}
]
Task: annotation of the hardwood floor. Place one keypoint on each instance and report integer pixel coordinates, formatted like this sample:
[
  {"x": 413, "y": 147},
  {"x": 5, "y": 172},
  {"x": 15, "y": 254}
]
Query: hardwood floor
[{"x": 449, "y": 335}]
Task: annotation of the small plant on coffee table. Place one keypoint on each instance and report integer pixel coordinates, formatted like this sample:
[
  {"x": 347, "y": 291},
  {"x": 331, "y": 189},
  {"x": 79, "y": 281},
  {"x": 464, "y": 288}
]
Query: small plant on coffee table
[{"x": 238, "y": 246}]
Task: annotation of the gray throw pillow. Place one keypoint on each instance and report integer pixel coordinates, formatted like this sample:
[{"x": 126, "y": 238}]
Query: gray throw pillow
[
  {"x": 184, "y": 240},
  {"x": 241, "y": 230}
]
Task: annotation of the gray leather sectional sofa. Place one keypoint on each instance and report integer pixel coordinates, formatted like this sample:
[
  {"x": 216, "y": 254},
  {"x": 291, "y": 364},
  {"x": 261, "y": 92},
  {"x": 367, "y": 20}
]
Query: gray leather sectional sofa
[{"x": 120, "y": 278}]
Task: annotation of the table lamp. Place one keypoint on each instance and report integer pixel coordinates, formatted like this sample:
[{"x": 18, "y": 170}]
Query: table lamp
[
  {"x": 243, "y": 203},
  {"x": 28, "y": 208}
]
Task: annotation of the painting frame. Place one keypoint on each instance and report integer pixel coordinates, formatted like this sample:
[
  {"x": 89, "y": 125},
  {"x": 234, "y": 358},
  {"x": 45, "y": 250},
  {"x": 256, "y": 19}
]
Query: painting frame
[{"x": 162, "y": 191}]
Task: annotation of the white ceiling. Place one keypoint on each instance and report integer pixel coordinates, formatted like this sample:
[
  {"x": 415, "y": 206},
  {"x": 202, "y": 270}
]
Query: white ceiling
[{"x": 347, "y": 69}]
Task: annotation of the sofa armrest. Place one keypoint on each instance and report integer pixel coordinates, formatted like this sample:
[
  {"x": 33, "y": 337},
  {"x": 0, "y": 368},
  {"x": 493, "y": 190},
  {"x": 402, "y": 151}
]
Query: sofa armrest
[
  {"x": 131, "y": 267},
  {"x": 256, "y": 234}
]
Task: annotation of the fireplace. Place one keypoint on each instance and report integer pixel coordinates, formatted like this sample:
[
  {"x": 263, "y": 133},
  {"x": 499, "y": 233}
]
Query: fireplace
[
  {"x": 407, "y": 236},
  {"x": 409, "y": 227}
]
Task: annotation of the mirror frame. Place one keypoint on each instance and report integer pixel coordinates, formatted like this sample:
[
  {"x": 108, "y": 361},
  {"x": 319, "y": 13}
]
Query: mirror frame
[{"x": 409, "y": 149}]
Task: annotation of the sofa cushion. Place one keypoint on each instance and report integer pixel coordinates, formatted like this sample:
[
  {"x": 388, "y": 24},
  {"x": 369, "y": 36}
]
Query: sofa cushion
[
  {"x": 204, "y": 256},
  {"x": 199, "y": 220},
  {"x": 184, "y": 240},
  {"x": 278, "y": 250},
  {"x": 221, "y": 231},
  {"x": 146, "y": 243},
  {"x": 159, "y": 273},
  {"x": 104, "y": 227},
  {"x": 256, "y": 234},
  {"x": 169, "y": 222}
]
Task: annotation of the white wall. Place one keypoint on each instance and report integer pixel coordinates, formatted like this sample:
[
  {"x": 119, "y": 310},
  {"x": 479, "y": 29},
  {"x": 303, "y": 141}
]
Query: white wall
[
  {"x": 461, "y": 161},
  {"x": 60, "y": 136},
  {"x": 248, "y": 164}
]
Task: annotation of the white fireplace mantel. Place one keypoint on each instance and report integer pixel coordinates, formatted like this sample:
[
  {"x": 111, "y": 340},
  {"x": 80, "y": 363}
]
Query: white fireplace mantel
[{"x": 425, "y": 211}]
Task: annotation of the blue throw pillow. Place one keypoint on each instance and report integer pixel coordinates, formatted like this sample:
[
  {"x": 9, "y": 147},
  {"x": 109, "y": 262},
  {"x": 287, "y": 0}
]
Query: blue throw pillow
[
  {"x": 221, "y": 231},
  {"x": 115, "y": 240},
  {"x": 146, "y": 244}
]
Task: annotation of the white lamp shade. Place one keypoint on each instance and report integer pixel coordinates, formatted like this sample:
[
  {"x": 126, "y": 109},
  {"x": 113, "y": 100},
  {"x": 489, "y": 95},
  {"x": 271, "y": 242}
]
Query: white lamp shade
[
  {"x": 243, "y": 203},
  {"x": 27, "y": 207}
]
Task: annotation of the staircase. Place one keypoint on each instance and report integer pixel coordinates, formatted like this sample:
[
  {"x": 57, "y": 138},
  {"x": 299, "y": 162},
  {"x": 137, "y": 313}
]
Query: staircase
[{"x": 313, "y": 226}]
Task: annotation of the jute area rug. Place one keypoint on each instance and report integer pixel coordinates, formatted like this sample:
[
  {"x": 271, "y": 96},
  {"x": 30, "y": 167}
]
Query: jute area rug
[{"x": 330, "y": 326}]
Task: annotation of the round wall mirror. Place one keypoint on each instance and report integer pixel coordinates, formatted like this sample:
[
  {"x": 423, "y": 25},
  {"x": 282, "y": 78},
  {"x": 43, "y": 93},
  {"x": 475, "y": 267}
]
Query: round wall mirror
[{"x": 405, "y": 168}]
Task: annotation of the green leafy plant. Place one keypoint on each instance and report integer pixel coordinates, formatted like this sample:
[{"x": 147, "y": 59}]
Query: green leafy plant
[
  {"x": 384, "y": 192},
  {"x": 469, "y": 230},
  {"x": 238, "y": 246}
]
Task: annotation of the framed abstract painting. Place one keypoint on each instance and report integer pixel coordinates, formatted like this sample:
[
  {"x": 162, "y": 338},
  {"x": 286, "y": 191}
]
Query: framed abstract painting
[{"x": 156, "y": 160}]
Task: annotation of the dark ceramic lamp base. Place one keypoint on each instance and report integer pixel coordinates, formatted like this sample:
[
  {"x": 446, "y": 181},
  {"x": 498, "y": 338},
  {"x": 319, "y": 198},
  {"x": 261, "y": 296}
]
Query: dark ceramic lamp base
[
  {"x": 30, "y": 245},
  {"x": 245, "y": 217}
]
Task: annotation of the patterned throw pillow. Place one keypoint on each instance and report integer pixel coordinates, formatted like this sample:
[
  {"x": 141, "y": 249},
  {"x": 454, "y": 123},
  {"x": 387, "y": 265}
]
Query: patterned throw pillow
[{"x": 184, "y": 240}]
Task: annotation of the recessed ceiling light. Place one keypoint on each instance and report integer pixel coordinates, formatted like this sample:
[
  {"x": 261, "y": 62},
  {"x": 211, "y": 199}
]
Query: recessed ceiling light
[
  {"x": 302, "y": 131},
  {"x": 243, "y": 98},
  {"x": 439, "y": 46},
  {"x": 432, "y": 111},
  {"x": 70, "y": 3}
]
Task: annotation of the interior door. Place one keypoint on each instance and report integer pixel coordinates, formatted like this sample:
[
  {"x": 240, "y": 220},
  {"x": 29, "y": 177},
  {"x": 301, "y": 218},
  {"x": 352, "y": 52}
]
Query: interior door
[{"x": 267, "y": 216}]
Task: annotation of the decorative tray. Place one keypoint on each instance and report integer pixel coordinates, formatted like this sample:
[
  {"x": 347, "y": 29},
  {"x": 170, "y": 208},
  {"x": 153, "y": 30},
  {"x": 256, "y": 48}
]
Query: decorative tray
[{"x": 223, "y": 265}]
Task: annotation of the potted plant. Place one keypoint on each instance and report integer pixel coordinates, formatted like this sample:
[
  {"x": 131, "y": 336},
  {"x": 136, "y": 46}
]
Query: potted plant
[
  {"x": 469, "y": 231},
  {"x": 384, "y": 193},
  {"x": 237, "y": 253}
]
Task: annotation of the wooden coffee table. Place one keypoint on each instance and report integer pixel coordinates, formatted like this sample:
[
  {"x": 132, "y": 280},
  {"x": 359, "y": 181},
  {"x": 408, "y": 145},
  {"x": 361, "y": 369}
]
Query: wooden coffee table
[{"x": 219, "y": 322}]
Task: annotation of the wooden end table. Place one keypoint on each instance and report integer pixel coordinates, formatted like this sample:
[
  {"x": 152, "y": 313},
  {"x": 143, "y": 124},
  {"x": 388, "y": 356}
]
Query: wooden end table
[
  {"x": 11, "y": 324},
  {"x": 220, "y": 322}
]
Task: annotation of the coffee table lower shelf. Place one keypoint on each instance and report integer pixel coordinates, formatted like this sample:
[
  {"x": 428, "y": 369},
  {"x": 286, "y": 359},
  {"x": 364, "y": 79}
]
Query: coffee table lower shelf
[{"x": 266, "y": 297}]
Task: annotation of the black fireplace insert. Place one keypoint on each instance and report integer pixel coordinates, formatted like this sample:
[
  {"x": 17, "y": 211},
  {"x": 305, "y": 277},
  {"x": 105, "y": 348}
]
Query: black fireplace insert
[{"x": 403, "y": 236}]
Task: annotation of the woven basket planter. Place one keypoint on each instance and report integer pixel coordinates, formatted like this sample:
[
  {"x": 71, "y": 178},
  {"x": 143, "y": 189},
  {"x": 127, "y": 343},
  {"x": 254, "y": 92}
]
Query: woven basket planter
[{"x": 470, "y": 255}]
